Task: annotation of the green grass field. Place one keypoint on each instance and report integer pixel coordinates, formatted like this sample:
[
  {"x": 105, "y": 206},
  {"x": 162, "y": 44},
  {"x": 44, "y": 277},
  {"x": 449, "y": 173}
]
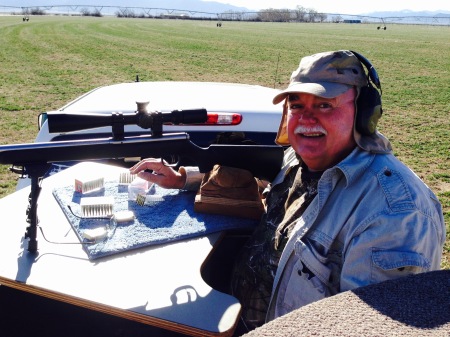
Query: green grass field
[{"x": 49, "y": 61}]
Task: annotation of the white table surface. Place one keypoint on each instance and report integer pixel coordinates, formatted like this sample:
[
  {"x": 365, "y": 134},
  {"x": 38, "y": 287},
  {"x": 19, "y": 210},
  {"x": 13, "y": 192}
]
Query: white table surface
[{"x": 159, "y": 285}]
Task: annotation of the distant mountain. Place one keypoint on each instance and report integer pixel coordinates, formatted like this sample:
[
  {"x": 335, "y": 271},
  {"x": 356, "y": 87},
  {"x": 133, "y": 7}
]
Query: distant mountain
[{"x": 407, "y": 13}]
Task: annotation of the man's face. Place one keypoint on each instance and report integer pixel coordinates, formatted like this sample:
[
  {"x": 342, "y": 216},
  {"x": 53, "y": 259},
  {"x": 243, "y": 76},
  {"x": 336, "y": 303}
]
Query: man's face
[{"x": 320, "y": 130}]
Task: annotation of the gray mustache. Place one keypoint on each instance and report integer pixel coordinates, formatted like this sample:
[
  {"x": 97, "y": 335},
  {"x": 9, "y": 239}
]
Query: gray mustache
[{"x": 313, "y": 129}]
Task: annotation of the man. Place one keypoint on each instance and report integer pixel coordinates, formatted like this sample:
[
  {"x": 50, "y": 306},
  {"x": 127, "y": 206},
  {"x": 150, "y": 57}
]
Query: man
[{"x": 343, "y": 212}]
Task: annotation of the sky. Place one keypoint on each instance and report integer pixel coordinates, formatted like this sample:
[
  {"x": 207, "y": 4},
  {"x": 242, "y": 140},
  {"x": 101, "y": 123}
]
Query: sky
[{"x": 345, "y": 6}]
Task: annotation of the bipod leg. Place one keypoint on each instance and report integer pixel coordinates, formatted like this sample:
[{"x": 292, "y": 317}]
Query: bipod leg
[{"x": 36, "y": 174}]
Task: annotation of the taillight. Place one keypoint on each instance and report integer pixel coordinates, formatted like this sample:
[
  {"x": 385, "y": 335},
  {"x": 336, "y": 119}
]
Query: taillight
[{"x": 223, "y": 119}]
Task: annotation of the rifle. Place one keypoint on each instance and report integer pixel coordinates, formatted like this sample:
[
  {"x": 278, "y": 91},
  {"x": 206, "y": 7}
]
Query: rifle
[{"x": 35, "y": 159}]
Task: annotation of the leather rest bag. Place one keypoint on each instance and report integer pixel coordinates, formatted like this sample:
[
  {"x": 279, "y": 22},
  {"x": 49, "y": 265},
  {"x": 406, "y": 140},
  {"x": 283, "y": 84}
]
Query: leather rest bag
[{"x": 229, "y": 191}]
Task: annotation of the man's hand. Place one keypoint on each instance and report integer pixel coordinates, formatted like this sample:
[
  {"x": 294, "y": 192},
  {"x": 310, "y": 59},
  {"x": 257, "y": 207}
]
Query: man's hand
[{"x": 154, "y": 170}]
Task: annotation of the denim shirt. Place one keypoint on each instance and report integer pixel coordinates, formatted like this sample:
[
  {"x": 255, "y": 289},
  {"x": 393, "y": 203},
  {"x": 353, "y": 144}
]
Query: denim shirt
[{"x": 372, "y": 220}]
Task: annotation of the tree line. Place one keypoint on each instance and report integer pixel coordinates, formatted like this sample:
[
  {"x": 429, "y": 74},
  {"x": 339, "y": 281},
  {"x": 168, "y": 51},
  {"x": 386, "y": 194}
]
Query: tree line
[{"x": 299, "y": 14}]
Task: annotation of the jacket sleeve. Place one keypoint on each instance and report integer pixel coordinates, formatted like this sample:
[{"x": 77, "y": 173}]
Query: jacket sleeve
[{"x": 193, "y": 177}]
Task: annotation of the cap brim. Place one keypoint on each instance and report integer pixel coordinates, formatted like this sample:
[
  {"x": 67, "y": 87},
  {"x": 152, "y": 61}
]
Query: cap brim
[{"x": 321, "y": 89}]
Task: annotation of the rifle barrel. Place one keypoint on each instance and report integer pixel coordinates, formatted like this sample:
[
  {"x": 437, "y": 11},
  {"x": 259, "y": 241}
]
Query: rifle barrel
[{"x": 264, "y": 161}]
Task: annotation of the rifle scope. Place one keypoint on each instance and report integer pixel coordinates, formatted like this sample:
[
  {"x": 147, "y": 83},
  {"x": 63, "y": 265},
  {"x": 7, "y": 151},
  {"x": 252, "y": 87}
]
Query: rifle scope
[{"x": 67, "y": 122}]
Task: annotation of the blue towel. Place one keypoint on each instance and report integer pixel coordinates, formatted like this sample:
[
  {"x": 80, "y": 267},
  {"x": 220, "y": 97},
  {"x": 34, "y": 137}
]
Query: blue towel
[{"x": 172, "y": 218}]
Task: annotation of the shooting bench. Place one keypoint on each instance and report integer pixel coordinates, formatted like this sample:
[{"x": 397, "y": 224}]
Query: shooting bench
[{"x": 161, "y": 286}]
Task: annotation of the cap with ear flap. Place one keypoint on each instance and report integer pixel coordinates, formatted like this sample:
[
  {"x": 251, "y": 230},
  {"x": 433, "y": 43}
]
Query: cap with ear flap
[
  {"x": 368, "y": 101},
  {"x": 328, "y": 75}
]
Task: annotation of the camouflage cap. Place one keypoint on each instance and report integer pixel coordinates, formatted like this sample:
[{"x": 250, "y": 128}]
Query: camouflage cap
[{"x": 327, "y": 75}]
